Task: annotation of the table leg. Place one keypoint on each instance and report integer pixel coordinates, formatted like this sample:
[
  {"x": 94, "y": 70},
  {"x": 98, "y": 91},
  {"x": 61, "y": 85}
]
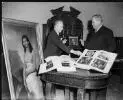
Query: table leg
[
  {"x": 67, "y": 93},
  {"x": 93, "y": 95},
  {"x": 121, "y": 76},
  {"x": 44, "y": 89},
  {"x": 80, "y": 94},
  {"x": 101, "y": 95},
  {"x": 50, "y": 91},
  {"x": 98, "y": 94},
  {"x": 53, "y": 91}
]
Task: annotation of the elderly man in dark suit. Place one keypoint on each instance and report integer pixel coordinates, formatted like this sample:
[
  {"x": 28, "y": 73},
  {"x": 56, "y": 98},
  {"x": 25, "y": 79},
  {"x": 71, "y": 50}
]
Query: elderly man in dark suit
[
  {"x": 102, "y": 38},
  {"x": 55, "y": 46}
]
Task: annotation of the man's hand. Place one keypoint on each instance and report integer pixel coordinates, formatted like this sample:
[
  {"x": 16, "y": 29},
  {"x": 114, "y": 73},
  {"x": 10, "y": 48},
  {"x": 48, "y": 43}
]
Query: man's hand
[
  {"x": 82, "y": 42},
  {"x": 76, "y": 52},
  {"x": 64, "y": 41},
  {"x": 79, "y": 53}
]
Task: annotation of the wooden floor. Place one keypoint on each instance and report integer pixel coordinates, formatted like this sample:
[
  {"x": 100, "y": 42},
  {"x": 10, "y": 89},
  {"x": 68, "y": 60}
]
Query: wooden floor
[{"x": 114, "y": 91}]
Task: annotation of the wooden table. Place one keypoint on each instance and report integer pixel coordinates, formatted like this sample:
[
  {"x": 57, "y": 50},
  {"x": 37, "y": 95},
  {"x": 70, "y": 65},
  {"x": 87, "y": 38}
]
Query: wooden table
[{"x": 83, "y": 80}]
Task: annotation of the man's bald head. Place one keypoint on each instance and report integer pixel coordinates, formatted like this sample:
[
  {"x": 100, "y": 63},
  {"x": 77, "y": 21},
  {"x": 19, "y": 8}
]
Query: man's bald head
[{"x": 58, "y": 26}]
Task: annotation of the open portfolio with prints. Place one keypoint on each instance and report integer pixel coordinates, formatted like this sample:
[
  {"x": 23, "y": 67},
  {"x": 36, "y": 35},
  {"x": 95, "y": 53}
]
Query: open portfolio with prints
[
  {"x": 60, "y": 63},
  {"x": 98, "y": 60}
]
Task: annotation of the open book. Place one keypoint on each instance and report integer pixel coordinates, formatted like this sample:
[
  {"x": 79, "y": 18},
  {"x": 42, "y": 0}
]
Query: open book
[
  {"x": 61, "y": 63},
  {"x": 98, "y": 60}
]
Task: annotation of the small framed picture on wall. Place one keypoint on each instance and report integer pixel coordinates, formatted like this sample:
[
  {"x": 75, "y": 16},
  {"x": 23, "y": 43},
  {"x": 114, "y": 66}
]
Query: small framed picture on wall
[{"x": 73, "y": 41}]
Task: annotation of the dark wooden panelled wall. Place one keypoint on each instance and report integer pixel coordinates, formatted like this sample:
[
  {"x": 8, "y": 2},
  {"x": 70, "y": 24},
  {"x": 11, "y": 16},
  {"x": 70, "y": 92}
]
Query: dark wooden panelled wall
[{"x": 73, "y": 27}]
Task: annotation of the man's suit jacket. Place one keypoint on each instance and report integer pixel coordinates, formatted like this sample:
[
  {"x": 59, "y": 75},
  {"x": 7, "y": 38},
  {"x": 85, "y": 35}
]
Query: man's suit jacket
[
  {"x": 54, "y": 45},
  {"x": 101, "y": 40}
]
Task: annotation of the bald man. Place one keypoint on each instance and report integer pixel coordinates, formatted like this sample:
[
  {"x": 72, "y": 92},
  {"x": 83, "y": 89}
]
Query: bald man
[{"x": 54, "y": 46}]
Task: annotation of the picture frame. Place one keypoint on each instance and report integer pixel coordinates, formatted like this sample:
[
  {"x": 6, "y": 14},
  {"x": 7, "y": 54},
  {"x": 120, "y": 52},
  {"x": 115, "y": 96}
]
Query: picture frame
[
  {"x": 73, "y": 40},
  {"x": 12, "y": 31}
]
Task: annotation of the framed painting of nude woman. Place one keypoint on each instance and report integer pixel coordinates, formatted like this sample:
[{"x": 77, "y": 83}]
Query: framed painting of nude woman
[{"x": 12, "y": 31}]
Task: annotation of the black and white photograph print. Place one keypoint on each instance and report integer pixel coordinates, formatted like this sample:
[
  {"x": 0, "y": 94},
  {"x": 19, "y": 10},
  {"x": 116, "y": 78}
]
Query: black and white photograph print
[
  {"x": 90, "y": 53},
  {"x": 49, "y": 65},
  {"x": 103, "y": 56},
  {"x": 85, "y": 60},
  {"x": 100, "y": 64},
  {"x": 78, "y": 33}
]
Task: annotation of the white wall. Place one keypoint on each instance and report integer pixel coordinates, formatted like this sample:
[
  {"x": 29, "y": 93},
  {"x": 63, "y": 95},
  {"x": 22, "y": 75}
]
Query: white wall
[{"x": 40, "y": 11}]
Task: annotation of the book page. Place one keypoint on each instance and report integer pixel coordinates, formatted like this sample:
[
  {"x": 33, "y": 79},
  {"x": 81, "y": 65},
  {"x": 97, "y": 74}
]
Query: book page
[
  {"x": 61, "y": 63},
  {"x": 98, "y": 60},
  {"x": 103, "y": 61},
  {"x": 52, "y": 63},
  {"x": 85, "y": 59}
]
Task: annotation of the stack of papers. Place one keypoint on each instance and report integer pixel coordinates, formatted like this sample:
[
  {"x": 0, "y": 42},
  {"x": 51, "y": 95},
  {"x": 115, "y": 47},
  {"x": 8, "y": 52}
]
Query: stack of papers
[{"x": 61, "y": 63}]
